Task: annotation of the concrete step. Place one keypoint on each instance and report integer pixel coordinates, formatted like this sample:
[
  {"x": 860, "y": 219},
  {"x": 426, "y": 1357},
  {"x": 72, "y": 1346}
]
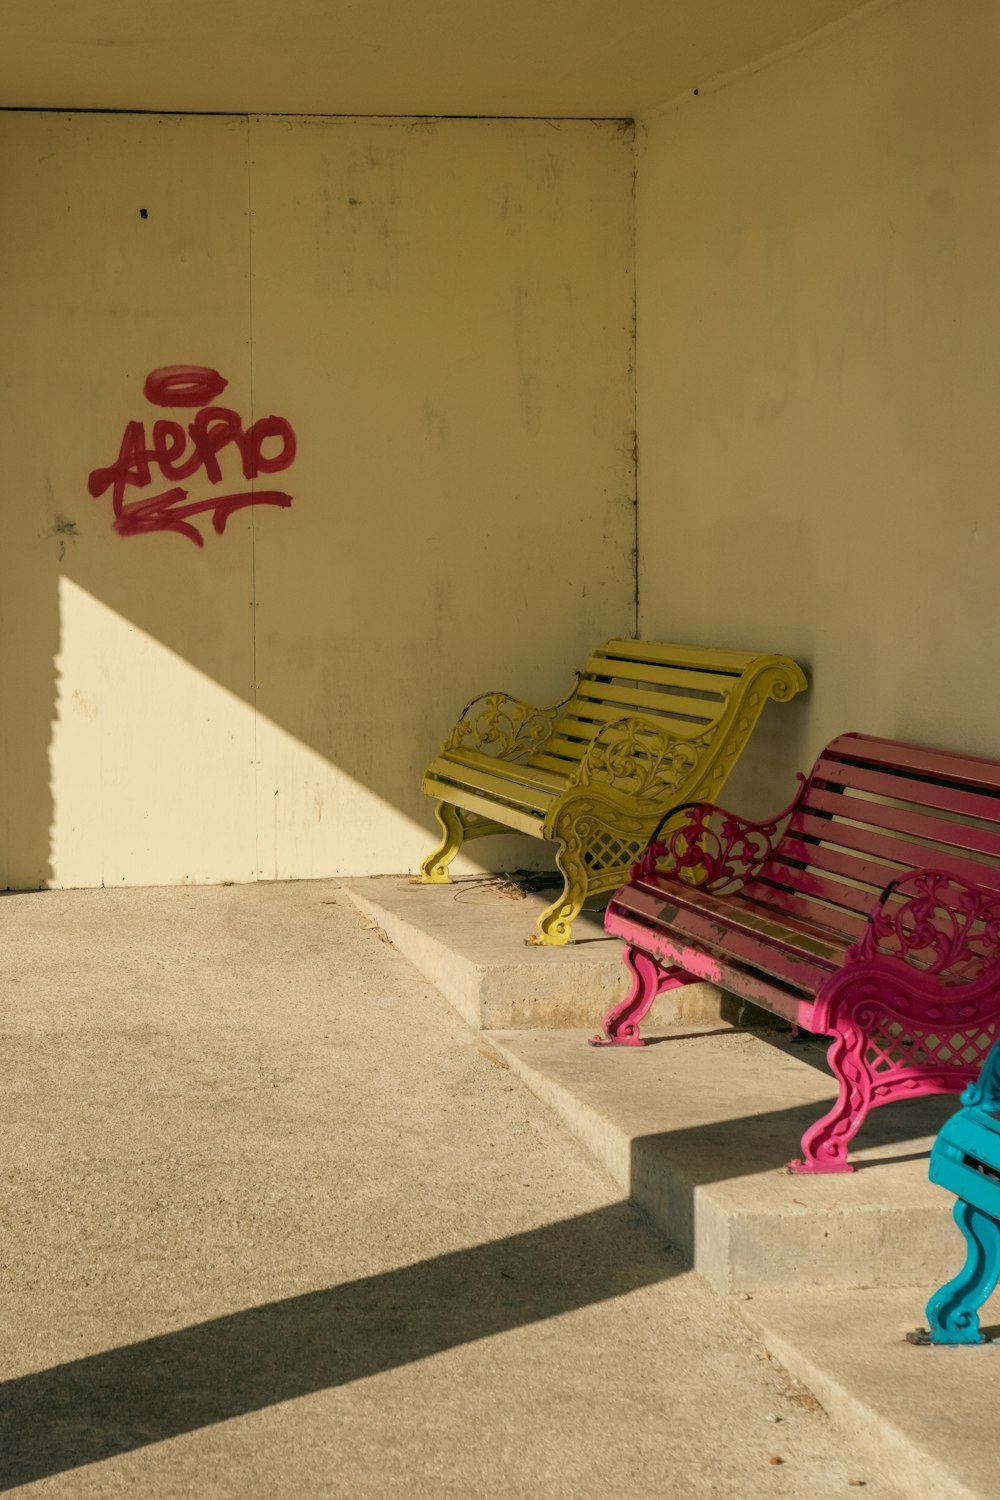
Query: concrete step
[
  {"x": 696, "y": 1129},
  {"x": 470, "y": 940},
  {"x": 828, "y": 1272},
  {"x": 924, "y": 1416}
]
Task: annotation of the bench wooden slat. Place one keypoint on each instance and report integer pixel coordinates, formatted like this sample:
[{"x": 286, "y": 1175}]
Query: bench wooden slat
[
  {"x": 670, "y": 678},
  {"x": 689, "y": 930},
  {"x": 572, "y": 740},
  {"x": 748, "y": 983},
  {"x": 589, "y": 711},
  {"x": 524, "y": 820},
  {"x": 901, "y": 820},
  {"x": 680, "y": 679},
  {"x": 553, "y": 760},
  {"x": 627, "y": 700},
  {"x": 585, "y": 718},
  {"x": 815, "y": 942},
  {"x": 521, "y": 772},
  {"x": 813, "y": 903},
  {"x": 572, "y": 736},
  {"x": 567, "y": 753},
  {"x": 676, "y": 704},
  {"x": 970, "y": 770},
  {"x": 832, "y": 895},
  {"x": 766, "y": 943},
  {"x": 761, "y": 989},
  {"x": 871, "y": 875},
  {"x": 921, "y": 793},
  {"x": 698, "y": 658},
  {"x": 898, "y": 850},
  {"x": 514, "y": 794}
]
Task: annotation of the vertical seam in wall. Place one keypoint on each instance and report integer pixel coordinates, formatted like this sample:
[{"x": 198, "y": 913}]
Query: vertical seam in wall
[
  {"x": 635, "y": 375},
  {"x": 253, "y": 519}
]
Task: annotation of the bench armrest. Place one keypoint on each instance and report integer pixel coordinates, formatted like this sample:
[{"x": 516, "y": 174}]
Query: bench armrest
[
  {"x": 712, "y": 849},
  {"x": 504, "y": 726},
  {"x": 985, "y": 1090},
  {"x": 940, "y": 924},
  {"x": 639, "y": 758}
]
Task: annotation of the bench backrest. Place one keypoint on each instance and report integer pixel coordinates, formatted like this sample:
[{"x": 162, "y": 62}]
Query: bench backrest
[
  {"x": 685, "y": 690},
  {"x": 874, "y": 809}
]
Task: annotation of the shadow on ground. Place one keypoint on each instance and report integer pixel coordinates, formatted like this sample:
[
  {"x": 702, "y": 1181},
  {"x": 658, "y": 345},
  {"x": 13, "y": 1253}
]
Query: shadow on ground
[
  {"x": 727, "y": 1149},
  {"x": 111, "y": 1403}
]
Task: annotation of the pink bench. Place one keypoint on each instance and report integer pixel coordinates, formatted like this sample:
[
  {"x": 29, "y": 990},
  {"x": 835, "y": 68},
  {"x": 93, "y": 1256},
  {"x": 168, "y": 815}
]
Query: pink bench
[{"x": 874, "y": 919}]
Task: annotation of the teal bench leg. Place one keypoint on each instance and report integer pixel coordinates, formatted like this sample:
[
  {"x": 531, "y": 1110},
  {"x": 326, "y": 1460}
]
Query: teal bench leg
[
  {"x": 953, "y": 1311},
  {"x": 965, "y": 1160}
]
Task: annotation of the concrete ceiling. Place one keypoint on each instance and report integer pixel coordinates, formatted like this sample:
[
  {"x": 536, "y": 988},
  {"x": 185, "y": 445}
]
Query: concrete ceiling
[{"x": 437, "y": 57}]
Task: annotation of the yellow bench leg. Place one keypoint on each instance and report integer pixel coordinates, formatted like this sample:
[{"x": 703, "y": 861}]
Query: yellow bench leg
[
  {"x": 434, "y": 869},
  {"x": 556, "y": 921}
]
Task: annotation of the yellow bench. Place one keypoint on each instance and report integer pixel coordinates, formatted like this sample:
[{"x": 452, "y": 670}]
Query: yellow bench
[{"x": 647, "y": 727}]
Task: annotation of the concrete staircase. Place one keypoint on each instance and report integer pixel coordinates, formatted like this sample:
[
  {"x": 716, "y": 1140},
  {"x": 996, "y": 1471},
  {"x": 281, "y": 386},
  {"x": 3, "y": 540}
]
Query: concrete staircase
[{"x": 830, "y": 1272}]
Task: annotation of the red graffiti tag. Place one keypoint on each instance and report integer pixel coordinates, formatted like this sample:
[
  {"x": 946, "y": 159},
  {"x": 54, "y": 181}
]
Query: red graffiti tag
[
  {"x": 213, "y": 430},
  {"x": 183, "y": 385}
]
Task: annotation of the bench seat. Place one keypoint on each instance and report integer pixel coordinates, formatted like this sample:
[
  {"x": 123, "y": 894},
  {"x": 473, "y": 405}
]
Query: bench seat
[
  {"x": 869, "y": 911},
  {"x": 647, "y": 726},
  {"x": 691, "y": 928}
]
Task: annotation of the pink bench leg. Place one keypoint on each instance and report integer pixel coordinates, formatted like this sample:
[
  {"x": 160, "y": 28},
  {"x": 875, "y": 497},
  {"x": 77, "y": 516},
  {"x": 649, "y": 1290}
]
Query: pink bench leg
[
  {"x": 824, "y": 1145},
  {"x": 889, "y": 1044},
  {"x": 649, "y": 979}
]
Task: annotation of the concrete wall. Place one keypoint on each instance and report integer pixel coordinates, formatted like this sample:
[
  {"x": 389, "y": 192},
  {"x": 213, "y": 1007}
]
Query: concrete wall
[
  {"x": 819, "y": 378},
  {"x": 442, "y": 311}
]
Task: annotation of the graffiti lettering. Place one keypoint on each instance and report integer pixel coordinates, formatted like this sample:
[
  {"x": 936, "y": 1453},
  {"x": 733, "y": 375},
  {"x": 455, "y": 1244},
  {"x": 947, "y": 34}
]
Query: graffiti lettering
[
  {"x": 266, "y": 447},
  {"x": 183, "y": 385}
]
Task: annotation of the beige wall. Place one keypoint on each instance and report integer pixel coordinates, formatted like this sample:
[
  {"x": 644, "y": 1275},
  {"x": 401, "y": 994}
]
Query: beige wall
[
  {"x": 443, "y": 311},
  {"x": 819, "y": 378}
]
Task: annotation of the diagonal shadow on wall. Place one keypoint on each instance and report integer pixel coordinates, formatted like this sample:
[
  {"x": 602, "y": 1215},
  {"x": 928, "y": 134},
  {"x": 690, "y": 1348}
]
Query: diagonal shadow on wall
[{"x": 430, "y": 306}]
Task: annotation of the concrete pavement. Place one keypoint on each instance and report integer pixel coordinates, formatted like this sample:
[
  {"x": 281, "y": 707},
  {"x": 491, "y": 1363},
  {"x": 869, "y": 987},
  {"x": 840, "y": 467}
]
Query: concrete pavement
[{"x": 276, "y": 1223}]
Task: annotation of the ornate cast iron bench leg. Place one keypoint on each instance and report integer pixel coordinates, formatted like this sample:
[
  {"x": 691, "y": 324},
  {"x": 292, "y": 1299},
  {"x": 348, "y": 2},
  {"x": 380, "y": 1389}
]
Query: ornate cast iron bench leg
[
  {"x": 434, "y": 869},
  {"x": 649, "y": 979},
  {"x": 556, "y": 922},
  {"x": 890, "y": 1041},
  {"x": 965, "y": 1160},
  {"x": 953, "y": 1311},
  {"x": 824, "y": 1145}
]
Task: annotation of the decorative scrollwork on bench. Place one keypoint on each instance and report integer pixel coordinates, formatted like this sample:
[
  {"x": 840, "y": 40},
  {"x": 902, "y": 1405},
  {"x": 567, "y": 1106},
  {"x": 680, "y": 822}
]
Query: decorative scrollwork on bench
[
  {"x": 937, "y": 923},
  {"x": 711, "y": 849},
  {"x": 504, "y": 726},
  {"x": 636, "y": 758}
]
